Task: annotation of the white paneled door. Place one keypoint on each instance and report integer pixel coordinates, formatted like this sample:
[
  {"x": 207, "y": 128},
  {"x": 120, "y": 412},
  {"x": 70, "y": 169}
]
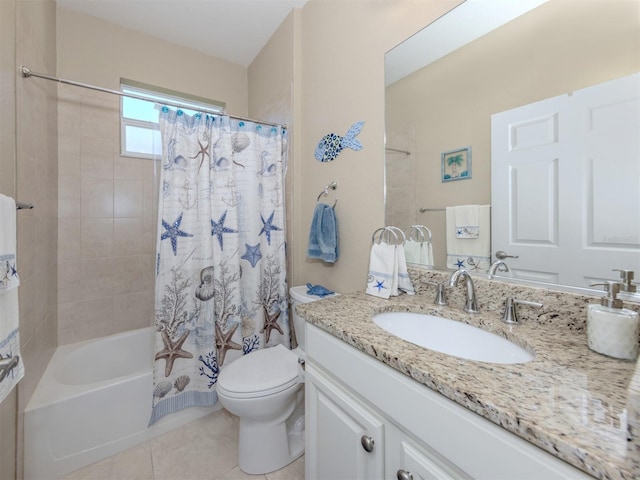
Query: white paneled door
[{"x": 565, "y": 186}]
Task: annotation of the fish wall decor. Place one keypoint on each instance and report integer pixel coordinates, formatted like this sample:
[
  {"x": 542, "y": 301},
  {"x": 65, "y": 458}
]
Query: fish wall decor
[{"x": 331, "y": 144}]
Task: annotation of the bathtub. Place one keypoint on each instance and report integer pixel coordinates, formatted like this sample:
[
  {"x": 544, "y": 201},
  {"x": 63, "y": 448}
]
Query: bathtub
[{"x": 91, "y": 404}]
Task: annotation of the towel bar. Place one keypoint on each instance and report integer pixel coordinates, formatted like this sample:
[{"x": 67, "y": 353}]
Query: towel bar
[{"x": 24, "y": 206}]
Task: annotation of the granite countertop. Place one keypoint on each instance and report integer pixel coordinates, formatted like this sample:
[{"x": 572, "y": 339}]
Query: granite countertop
[{"x": 569, "y": 401}]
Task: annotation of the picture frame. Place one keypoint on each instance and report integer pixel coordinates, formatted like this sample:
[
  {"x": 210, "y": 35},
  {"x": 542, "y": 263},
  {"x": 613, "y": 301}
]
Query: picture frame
[{"x": 456, "y": 164}]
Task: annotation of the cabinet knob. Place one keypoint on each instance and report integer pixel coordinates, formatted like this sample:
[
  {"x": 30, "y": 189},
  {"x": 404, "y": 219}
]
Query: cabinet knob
[
  {"x": 367, "y": 443},
  {"x": 404, "y": 475}
]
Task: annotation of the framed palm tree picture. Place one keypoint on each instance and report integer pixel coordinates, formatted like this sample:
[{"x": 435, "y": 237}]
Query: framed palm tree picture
[{"x": 456, "y": 164}]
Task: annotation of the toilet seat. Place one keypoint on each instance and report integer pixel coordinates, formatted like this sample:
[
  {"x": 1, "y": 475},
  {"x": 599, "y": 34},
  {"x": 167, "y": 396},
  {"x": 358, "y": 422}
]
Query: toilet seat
[{"x": 260, "y": 374}]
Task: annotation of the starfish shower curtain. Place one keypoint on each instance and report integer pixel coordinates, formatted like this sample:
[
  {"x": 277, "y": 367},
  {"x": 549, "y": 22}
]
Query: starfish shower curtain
[{"x": 221, "y": 287}]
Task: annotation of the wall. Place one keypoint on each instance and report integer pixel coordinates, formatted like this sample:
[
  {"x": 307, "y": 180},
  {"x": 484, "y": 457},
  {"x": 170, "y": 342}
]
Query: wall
[
  {"x": 28, "y": 172},
  {"x": 342, "y": 81},
  {"x": 108, "y": 203},
  {"x": 554, "y": 49},
  {"x": 94, "y": 51}
]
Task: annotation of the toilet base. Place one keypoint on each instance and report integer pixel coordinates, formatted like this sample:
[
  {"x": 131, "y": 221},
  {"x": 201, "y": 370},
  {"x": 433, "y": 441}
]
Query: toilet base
[{"x": 265, "y": 447}]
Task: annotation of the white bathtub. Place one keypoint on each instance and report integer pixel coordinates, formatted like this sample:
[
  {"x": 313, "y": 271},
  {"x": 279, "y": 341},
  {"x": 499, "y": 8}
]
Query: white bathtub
[{"x": 93, "y": 401}]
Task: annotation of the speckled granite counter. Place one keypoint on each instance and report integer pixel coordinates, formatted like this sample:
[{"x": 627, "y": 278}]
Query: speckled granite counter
[{"x": 574, "y": 403}]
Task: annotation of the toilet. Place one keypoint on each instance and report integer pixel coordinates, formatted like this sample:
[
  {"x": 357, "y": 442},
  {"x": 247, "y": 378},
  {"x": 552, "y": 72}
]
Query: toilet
[{"x": 265, "y": 390}]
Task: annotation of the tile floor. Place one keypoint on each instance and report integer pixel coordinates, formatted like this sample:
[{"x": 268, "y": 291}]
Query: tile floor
[{"x": 206, "y": 449}]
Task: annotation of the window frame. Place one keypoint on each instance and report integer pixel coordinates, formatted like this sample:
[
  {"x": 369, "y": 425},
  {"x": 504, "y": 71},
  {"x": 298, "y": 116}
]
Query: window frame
[{"x": 191, "y": 103}]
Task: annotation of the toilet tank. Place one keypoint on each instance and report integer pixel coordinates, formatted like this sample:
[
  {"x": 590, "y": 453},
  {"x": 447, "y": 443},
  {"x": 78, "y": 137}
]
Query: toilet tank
[{"x": 299, "y": 295}]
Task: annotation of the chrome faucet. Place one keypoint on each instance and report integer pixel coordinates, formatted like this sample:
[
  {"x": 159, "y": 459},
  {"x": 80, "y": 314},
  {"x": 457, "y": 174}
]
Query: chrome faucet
[
  {"x": 498, "y": 266},
  {"x": 471, "y": 304}
]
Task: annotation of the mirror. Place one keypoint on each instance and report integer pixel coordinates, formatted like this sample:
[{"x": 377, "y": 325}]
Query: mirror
[{"x": 555, "y": 48}]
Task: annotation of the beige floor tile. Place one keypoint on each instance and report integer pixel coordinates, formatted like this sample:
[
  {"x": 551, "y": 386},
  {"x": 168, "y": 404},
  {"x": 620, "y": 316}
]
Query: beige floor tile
[
  {"x": 201, "y": 450},
  {"x": 206, "y": 449},
  {"x": 237, "y": 474},
  {"x": 293, "y": 471},
  {"x": 132, "y": 464}
]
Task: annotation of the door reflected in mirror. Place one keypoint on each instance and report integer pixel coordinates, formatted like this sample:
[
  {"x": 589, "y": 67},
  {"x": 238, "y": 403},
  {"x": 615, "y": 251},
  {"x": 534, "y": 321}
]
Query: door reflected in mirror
[{"x": 555, "y": 49}]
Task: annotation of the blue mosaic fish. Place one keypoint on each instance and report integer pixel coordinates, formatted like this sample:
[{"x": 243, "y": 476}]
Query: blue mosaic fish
[{"x": 331, "y": 145}]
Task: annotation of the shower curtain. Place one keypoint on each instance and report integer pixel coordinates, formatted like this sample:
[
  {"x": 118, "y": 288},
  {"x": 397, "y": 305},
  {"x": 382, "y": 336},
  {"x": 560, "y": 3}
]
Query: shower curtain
[{"x": 221, "y": 289}]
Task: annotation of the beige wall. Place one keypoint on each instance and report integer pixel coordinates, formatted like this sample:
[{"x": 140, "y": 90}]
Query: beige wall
[
  {"x": 28, "y": 172},
  {"x": 100, "y": 53},
  {"x": 342, "y": 81},
  {"x": 557, "y": 48},
  {"x": 108, "y": 203}
]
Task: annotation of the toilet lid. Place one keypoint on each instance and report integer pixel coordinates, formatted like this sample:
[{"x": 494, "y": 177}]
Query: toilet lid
[{"x": 260, "y": 373}]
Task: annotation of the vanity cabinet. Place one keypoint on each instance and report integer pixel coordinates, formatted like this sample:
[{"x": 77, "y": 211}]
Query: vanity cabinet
[
  {"x": 352, "y": 441},
  {"x": 348, "y": 438},
  {"x": 365, "y": 420}
]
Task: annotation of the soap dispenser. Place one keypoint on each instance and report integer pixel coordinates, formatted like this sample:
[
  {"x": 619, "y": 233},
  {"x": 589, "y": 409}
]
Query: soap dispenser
[{"x": 611, "y": 329}]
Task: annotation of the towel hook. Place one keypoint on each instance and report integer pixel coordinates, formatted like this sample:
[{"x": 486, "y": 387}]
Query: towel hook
[{"x": 325, "y": 191}]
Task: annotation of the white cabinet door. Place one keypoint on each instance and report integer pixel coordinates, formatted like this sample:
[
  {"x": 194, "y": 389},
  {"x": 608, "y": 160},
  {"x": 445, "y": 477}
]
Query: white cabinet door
[
  {"x": 344, "y": 439},
  {"x": 408, "y": 459},
  {"x": 565, "y": 184}
]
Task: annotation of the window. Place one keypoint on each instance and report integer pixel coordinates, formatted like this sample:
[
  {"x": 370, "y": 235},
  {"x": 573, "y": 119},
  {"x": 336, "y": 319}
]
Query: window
[{"x": 139, "y": 128}]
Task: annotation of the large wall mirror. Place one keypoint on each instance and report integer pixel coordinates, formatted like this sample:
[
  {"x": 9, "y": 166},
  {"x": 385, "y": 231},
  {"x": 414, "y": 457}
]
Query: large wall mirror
[{"x": 502, "y": 60}]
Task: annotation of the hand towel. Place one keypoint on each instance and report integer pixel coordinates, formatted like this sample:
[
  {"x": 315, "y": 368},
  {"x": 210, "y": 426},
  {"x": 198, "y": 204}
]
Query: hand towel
[
  {"x": 404, "y": 282},
  {"x": 420, "y": 253},
  {"x": 323, "y": 234},
  {"x": 413, "y": 251},
  {"x": 382, "y": 270},
  {"x": 9, "y": 314},
  {"x": 470, "y": 253},
  {"x": 467, "y": 221}
]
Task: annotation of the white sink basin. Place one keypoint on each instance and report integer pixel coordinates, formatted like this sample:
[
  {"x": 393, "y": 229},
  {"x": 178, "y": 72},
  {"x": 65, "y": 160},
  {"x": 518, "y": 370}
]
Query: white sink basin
[{"x": 451, "y": 337}]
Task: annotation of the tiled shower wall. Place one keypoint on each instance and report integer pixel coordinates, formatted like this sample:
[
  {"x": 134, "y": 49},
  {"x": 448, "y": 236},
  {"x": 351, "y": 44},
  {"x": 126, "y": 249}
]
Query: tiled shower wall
[{"x": 107, "y": 222}]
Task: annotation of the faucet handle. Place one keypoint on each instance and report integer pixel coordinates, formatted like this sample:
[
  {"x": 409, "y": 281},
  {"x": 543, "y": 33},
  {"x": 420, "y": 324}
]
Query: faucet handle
[
  {"x": 510, "y": 315},
  {"x": 626, "y": 277},
  {"x": 441, "y": 298}
]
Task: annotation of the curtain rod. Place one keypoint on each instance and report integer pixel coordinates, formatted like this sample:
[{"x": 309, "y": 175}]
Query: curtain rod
[{"x": 26, "y": 73}]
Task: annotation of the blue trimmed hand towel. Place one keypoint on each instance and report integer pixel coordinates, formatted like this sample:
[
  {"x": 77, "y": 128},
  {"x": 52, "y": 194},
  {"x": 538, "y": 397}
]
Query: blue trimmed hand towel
[
  {"x": 323, "y": 234},
  {"x": 9, "y": 313},
  {"x": 383, "y": 271},
  {"x": 388, "y": 274},
  {"x": 463, "y": 250}
]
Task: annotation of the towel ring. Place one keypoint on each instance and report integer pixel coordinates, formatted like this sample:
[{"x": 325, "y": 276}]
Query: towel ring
[
  {"x": 419, "y": 233},
  {"x": 325, "y": 191},
  {"x": 422, "y": 229},
  {"x": 396, "y": 229},
  {"x": 389, "y": 231}
]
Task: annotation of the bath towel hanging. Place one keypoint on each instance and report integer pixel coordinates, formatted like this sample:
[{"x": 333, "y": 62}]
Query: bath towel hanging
[{"x": 11, "y": 365}]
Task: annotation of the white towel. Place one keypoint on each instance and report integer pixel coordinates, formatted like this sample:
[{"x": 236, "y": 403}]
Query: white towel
[
  {"x": 382, "y": 270},
  {"x": 420, "y": 253},
  {"x": 467, "y": 221},
  {"x": 388, "y": 271},
  {"x": 9, "y": 314},
  {"x": 404, "y": 282},
  {"x": 469, "y": 252}
]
